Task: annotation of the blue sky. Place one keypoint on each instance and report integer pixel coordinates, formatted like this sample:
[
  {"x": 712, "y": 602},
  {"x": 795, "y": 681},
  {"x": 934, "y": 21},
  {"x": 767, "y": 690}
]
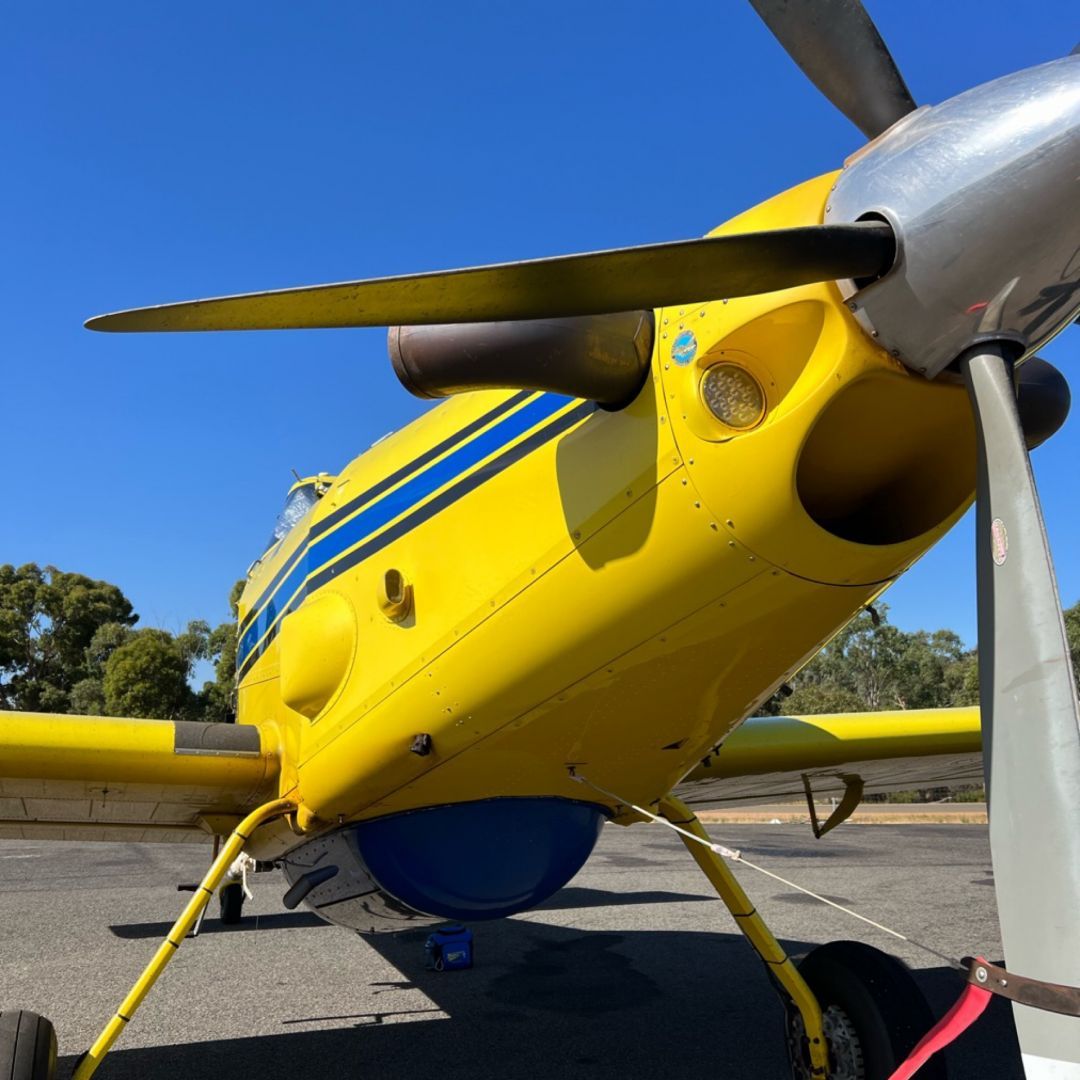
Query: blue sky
[{"x": 162, "y": 152}]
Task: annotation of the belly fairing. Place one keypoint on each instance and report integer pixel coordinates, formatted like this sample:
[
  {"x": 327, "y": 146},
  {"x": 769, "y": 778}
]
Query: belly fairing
[{"x": 462, "y": 861}]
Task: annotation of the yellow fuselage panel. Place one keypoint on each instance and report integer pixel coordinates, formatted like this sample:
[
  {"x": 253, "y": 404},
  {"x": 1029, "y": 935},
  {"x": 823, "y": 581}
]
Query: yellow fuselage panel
[{"x": 613, "y": 591}]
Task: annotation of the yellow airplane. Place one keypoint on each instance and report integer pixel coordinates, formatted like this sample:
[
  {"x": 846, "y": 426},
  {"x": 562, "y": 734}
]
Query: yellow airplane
[{"x": 662, "y": 479}]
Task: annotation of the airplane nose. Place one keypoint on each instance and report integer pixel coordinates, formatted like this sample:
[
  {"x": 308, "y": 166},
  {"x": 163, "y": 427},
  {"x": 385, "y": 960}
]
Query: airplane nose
[{"x": 983, "y": 193}]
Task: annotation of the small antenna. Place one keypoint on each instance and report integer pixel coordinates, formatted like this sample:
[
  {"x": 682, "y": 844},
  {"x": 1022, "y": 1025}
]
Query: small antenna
[{"x": 297, "y": 475}]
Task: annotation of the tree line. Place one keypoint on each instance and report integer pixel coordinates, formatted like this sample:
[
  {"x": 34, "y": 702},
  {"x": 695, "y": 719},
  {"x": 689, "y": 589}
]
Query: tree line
[
  {"x": 872, "y": 665},
  {"x": 70, "y": 644}
]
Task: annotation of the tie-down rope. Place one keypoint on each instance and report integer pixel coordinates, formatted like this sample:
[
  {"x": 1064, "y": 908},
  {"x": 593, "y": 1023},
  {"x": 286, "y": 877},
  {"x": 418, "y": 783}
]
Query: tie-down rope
[{"x": 736, "y": 856}]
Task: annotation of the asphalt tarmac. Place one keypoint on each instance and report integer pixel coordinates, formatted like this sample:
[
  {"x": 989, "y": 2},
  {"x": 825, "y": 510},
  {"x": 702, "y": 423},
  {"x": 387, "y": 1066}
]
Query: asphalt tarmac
[{"x": 632, "y": 971}]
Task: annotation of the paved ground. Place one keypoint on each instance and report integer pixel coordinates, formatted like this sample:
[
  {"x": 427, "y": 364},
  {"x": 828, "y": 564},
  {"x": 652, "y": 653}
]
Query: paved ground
[{"x": 632, "y": 971}]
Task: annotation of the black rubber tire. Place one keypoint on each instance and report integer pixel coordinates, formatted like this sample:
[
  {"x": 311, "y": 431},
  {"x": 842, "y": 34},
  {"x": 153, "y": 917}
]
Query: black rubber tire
[
  {"x": 27, "y": 1046},
  {"x": 231, "y": 901},
  {"x": 880, "y": 998}
]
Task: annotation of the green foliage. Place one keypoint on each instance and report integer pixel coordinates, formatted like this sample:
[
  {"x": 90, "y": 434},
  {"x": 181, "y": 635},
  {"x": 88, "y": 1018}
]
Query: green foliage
[
  {"x": 48, "y": 620},
  {"x": 68, "y": 645},
  {"x": 219, "y": 697},
  {"x": 811, "y": 698},
  {"x": 904, "y": 797},
  {"x": 868, "y": 666},
  {"x": 871, "y": 665},
  {"x": 1072, "y": 634},
  {"x": 148, "y": 676},
  {"x": 87, "y": 698},
  {"x": 107, "y": 638},
  {"x": 970, "y": 794}
]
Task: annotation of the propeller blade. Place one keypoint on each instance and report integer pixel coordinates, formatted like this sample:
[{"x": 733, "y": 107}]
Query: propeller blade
[
  {"x": 839, "y": 48},
  {"x": 596, "y": 283},
  {"x": 1030, "y": 718}
]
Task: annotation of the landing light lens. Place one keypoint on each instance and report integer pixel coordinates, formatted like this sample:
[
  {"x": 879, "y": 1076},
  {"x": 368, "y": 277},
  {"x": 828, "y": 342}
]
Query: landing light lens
[{"x": 733, "y": 395}]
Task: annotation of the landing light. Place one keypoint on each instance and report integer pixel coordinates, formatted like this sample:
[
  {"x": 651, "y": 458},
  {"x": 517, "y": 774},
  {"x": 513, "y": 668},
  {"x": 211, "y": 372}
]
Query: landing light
[{"x": 733, "y": 396}]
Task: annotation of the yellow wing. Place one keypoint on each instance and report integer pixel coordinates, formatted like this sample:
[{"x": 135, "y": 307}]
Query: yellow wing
[
  {"x": 91, "y": 777},
  {"x": 768, "y": 757},
  {"x": 99, "y": 778}
]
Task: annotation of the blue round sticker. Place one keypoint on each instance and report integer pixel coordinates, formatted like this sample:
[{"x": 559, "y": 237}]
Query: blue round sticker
[{"x": 684, "y": 347}]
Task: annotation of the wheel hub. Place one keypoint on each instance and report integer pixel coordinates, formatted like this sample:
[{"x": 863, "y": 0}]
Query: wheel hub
[{"x": 845, "y": 1050}]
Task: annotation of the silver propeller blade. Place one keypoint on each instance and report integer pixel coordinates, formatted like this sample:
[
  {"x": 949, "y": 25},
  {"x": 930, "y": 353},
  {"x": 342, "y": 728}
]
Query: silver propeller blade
[
  {"x": 595, "y": 283},
  {"x": 839, "y": 48},
  {"x": 1030, "y": 718}
]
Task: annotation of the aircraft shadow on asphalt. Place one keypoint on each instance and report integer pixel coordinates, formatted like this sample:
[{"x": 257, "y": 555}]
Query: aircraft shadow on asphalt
[
  {"x": 279, "y": 920},
  {"x": 548, "y": 1001},
  {"x": 564, "y": 900}
]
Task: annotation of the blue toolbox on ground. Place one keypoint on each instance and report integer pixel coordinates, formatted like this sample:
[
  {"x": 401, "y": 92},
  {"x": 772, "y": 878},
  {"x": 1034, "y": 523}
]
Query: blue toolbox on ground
[{"x": 450, "y": 949}]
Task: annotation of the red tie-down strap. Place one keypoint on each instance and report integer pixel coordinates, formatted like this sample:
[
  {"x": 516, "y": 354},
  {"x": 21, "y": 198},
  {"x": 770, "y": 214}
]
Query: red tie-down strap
[
  {"x": 968, "y": 1008},
  {"x": 984, "y": 980}
]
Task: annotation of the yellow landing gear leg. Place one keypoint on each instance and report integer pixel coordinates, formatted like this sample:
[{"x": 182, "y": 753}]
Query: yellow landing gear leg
[
  {"x": 753, "y": 927},
  {"x": 229, "y": 851}
]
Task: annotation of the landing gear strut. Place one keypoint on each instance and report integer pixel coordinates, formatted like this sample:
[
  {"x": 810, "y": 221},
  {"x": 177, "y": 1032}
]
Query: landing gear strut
[
  {"x": 854, "y": 1012},
  {"x": 28, "y": 1041},
  {"x": 230, "y": 850}
]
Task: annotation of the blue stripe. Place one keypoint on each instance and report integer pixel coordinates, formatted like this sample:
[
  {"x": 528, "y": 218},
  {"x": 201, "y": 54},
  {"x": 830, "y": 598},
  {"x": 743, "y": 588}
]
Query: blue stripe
[
  {"x": 427, "y": 510},
  {"x": 397, "y": 502},
  {"x": 327, "y": 523}
]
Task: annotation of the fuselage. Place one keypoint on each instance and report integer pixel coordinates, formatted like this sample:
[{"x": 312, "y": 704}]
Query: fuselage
[{"x": 605, "y": 592}]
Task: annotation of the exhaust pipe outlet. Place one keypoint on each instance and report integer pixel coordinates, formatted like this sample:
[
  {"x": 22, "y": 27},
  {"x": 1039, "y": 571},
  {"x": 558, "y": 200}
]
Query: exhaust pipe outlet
[{"x": 602, "y": 358}]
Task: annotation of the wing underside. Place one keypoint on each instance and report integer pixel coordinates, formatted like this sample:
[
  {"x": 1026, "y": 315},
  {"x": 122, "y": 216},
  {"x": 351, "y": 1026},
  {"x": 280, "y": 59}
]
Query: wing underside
[
  {"x": 100, "y": 778},
  {"x": 772, "y": 758}
]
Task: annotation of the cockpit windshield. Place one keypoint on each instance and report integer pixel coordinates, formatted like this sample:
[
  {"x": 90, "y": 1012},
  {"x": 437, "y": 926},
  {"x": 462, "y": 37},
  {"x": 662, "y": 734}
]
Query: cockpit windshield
[
  {"x": 300, "y": 500},
  {"x": 303, "y": 495}
]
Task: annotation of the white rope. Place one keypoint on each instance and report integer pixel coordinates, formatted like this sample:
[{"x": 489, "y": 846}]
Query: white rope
[
  {"x": 238, "y": 871},
  {"x": 736, "y": 856}
]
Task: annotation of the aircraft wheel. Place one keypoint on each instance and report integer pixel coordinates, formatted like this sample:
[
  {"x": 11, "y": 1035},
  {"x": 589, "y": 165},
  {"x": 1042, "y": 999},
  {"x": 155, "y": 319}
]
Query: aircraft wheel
[
  {"x": 873, "y": 1014},
  {"x": 231, "y": 899},
  {"x": 27, "y": 1046}
]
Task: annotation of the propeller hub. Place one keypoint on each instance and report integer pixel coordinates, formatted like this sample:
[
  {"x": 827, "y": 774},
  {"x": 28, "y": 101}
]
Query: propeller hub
[{"x": 983, "y": 193}]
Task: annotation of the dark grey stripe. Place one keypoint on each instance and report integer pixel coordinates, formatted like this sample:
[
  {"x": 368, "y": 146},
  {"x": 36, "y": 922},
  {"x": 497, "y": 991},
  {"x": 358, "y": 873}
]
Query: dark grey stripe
[{"x": 218, "y": 740}]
